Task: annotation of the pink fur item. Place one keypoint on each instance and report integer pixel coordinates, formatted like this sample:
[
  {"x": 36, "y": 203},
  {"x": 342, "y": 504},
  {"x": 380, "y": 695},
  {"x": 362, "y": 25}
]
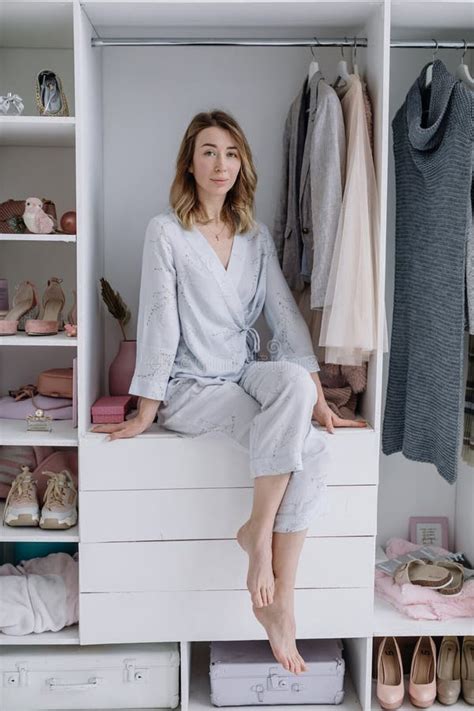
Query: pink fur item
[{"x": 418, "y": 602}]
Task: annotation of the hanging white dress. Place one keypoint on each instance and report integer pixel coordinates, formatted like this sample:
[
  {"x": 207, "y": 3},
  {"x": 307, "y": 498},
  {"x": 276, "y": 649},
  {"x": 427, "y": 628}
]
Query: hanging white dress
[{"x": 349, "y": 323}]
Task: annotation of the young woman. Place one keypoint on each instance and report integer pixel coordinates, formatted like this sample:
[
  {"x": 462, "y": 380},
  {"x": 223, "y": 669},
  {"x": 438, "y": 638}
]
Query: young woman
[{"x": 209, "y": 270}]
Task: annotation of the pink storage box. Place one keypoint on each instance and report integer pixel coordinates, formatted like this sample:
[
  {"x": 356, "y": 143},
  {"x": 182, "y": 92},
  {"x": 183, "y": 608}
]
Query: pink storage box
[{"x": 111, "y": 408}]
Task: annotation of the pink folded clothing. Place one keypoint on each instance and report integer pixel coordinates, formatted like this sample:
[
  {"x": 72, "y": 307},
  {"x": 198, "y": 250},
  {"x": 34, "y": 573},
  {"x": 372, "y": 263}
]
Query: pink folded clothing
[
  {"x": 417, "y": 602},
  {"x": 58, "y": 408}
]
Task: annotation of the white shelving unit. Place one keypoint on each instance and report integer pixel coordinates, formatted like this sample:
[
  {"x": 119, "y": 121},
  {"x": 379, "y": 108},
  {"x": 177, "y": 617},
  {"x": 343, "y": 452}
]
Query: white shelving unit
[
  {"x": 71, "y": 239},
  {"x": 37, "y": 131},
  {"x": 112, "y": 160}
]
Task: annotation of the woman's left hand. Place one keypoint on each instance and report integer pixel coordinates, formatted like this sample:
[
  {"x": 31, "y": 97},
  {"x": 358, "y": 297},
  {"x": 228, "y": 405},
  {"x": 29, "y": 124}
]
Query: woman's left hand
[{"x": 323, "y": 414}]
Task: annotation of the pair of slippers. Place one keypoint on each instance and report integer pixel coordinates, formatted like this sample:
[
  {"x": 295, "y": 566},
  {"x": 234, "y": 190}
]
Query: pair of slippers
[{"x": 445, "y": 576}]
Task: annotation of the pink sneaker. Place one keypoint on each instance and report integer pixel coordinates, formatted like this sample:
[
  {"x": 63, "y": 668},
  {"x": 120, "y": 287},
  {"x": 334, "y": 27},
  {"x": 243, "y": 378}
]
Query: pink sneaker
[
  {"x": 21, "y": 506},
  {"x": 59, "y": 501}
]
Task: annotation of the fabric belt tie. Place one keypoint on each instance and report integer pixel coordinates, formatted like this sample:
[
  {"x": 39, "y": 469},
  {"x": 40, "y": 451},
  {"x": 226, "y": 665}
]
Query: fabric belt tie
[{"x": 253, "y": 339}]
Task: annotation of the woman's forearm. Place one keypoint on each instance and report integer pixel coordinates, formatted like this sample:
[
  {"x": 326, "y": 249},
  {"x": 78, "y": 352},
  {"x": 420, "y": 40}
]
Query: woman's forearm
[{"x": 147, "y": 409}]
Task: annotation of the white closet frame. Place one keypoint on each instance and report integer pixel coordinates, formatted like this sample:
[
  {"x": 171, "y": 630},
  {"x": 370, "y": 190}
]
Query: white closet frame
[{"x": 187, "y": 518}]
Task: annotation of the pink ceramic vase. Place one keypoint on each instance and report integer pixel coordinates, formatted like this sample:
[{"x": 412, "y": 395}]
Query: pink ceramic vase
[{"x": 122, "y": 368}]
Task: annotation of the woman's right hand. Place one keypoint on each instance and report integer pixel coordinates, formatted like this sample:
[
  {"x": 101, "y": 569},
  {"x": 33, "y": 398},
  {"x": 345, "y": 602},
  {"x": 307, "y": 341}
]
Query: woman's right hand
[{"x": 122, "y": 430}]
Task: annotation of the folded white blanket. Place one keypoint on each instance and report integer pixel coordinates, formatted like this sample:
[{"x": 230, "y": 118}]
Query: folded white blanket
[{"x": 39, "y": 595}]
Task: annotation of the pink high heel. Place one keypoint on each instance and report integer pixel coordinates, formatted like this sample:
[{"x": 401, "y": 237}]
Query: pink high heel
[
  {"x": 72, "y": 314},
  {"x": 51, "y": 319},
  {"x": 25, "y": 305}
]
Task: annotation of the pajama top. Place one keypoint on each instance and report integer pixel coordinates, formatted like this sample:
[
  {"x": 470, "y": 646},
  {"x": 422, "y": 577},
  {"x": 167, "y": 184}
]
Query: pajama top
[{"x": 196, "y": 318}]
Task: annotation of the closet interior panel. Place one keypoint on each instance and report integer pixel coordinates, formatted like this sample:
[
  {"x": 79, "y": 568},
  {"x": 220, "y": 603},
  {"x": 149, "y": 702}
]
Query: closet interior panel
[{"x": 90, "y": 191}]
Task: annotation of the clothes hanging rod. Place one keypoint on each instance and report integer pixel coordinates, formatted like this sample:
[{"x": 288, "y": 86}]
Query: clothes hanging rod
[
  {"x": 270, "y": 42},
  {"x": 225, "y": 41},
  {"x": 431, "y": 44}
]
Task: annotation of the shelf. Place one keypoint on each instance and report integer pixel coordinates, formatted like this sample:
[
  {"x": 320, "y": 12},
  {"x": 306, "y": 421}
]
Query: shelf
[
  {"x": 37, "y": 238},
  {"x": 37, "y": 131},
  {"x": 141, "y": 19},
  {"x": 22, "y": 339},
  {"x": 389, "y": 622},
  {"x": 199, "y": 688},
  {"x": 15, "y": 432},
  {"x": 35, "y": 534},
  {"x": 156, "y": 431},
  {"x": 68, "y": 635}
]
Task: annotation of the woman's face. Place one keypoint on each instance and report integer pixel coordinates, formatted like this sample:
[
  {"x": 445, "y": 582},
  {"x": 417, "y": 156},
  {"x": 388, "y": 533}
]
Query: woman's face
[{"x": 216, "y": 161}]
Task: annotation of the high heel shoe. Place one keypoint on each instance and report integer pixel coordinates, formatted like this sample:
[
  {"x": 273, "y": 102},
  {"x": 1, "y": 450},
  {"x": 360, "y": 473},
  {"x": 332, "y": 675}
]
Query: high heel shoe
[
  {"x": 448, "y": 675},
  {"x": 25, "y": 305},
  {"x": 390, "y": 684},
  {"x": 467, "y": 669},
  {"x": 50, "y": 320},
  {"x": 72, "y": 313},
  {"x": 422, "y": 685}
]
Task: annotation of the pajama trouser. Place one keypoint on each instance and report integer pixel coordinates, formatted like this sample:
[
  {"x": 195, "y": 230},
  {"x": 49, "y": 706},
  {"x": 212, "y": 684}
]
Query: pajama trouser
[{"x": 268, "y": 413}]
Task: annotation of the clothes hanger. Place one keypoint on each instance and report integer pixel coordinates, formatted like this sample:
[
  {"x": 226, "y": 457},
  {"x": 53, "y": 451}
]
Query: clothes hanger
[
  {"x": 313, "y": 67},
  {"x": 343, "y": 76},
  {"x": 355, "y": 67},
  {"x": 463, "y": 73},
  {"x": 429, "y": 68}
]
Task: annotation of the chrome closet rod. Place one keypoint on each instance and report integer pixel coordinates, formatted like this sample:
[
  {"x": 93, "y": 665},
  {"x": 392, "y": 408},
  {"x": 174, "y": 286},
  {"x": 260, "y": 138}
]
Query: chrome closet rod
[
  {"x": 270, "y": 42},
  {"x": 431, "y": 44},
  {"x": 224, "y": 41}
]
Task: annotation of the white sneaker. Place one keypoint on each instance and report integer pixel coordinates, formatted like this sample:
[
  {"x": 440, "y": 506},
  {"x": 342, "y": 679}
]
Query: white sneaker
[
  {"x": 59, "y": 502},
  {"x": 21, "y": 506}
]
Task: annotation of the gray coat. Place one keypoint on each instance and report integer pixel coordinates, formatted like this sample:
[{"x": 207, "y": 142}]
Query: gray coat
[{"x": 312, "y": 186}]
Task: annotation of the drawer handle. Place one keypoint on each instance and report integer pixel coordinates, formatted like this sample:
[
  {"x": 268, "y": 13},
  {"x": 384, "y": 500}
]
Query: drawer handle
[{"x": 55, "y": 685}]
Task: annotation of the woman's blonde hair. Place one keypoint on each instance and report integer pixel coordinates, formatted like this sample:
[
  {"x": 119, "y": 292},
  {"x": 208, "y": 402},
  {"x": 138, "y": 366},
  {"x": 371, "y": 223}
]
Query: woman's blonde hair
[{"x": 239, "y": 202}]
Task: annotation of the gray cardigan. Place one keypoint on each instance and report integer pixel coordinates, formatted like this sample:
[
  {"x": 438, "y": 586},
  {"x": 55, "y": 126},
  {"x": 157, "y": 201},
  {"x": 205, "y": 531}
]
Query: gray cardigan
[
  {"x": 312, "y": 185},
  {"x": 433, "y": 135}
]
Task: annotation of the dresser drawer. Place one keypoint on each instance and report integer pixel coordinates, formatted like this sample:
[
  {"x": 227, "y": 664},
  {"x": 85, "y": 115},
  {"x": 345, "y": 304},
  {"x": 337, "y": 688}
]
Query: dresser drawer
[
  {"x": 164, "y": 460},
  {"x": 108, "y": 618},
  {"x": 217, "y": 565},
  {"x": 183, "y": 514}
]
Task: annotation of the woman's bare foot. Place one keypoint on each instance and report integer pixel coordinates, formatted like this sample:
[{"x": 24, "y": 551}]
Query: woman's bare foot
[
  {"x": 258, "y": 545},
  {"x": 279, "y": 622}
]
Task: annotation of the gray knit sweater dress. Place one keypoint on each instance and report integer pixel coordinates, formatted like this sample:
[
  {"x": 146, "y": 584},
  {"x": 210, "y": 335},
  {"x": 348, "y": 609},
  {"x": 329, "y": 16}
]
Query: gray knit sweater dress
[{"x": 433, "y": 136}]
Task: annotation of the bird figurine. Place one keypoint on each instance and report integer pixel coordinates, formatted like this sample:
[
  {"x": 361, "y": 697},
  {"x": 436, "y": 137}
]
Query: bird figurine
[{"x": 36, "y": 220}]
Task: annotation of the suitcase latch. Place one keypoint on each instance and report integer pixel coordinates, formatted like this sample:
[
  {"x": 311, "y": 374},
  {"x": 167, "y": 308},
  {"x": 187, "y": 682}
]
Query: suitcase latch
[
  {"x": 133, "y": 674},
  {"x": 19, "y": 678},
  {"x": 277, "y": 682},
  {"x": 258, "y": 688}
]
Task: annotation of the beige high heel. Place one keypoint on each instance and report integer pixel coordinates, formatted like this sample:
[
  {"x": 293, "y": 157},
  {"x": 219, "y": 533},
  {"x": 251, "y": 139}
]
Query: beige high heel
[
  {"x": 422, "y": 684},
  {"x": 25, "y": 305},
  {"x": 467, "y": 669},
  {"x": 50, "y": 320},
  {"x": 448, "y": 676},
  {"x": 390, "y": 683}
]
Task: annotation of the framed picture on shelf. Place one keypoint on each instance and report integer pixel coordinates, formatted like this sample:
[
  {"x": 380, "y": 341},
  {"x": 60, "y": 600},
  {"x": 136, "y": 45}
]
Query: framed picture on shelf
[{"x": 429, "y": 531}]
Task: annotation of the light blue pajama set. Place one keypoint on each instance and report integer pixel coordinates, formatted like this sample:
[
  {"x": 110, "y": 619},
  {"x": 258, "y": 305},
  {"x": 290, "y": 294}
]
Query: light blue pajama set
[{"x": 197, "y": 349}]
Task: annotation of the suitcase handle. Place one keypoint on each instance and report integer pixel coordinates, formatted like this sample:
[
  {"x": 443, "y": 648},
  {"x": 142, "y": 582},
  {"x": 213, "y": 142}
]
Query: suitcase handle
[{"x": 92, "y": 683}]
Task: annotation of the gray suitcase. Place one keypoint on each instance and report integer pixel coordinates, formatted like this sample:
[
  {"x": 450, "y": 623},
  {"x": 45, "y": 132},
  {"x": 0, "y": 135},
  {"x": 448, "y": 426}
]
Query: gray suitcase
[{"x": 247, "y": 674}]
